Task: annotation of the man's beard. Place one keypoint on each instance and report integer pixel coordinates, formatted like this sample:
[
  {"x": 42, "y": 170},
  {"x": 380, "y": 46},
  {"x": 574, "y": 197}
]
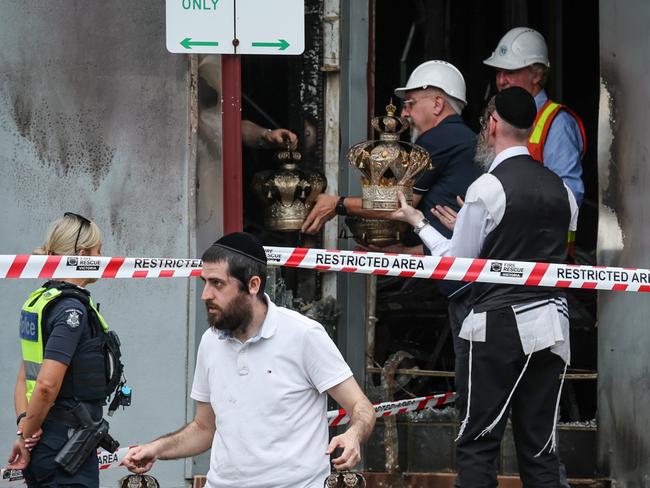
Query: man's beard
[
  {"x": 235, "y": 317},
  {"x": 413, "y": 132},
  {"x": 485, "y": 153}
]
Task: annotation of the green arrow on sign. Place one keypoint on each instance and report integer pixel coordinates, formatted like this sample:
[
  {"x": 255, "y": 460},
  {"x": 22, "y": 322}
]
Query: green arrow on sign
[
  {"x": 187, "y": 43},
  {"x": 282, "y": 44}
]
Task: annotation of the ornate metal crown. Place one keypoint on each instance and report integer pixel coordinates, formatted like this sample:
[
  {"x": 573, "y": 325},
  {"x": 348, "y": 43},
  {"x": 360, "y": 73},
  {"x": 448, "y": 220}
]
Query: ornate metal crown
[
  {"x": 139, "y": 481},
  {"x": 375, "y": 232},
  {"x": 288, "y": 193},
  {"x": 388, "y": 165},
  {"x": 345, "y": 479}
]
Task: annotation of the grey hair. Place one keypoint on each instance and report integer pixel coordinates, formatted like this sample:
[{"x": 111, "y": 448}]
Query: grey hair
[
  {"x": 543, "y": 70},
  {"x": 455, "y": 104}
]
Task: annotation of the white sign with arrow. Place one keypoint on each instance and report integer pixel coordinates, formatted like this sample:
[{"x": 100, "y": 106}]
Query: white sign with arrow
[{"x": 236, "y": 26}]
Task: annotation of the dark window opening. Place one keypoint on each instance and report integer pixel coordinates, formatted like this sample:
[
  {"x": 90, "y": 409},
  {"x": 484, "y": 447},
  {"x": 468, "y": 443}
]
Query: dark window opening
[{"x": 412, "y": 316}]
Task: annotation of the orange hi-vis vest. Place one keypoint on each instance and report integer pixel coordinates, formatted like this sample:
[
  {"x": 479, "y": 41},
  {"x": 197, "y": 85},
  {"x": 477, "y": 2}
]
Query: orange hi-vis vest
[
  {"x": 543, "y": 121},
  {"x": 537, "y": 140}
]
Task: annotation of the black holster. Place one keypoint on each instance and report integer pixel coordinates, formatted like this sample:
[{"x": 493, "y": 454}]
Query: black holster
[{"x": 87, "y": 437}]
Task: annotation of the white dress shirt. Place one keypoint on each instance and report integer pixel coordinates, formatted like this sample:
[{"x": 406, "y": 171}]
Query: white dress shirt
[{"x": 484, "y": 207}]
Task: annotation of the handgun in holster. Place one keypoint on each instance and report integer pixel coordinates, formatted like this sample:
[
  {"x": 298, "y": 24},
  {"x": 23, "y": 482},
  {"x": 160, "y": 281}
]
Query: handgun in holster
[{"x": 86, "y": 439}]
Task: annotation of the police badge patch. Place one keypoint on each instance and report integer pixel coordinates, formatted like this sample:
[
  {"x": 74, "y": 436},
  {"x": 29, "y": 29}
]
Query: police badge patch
[{"x": 73, "y": 319}]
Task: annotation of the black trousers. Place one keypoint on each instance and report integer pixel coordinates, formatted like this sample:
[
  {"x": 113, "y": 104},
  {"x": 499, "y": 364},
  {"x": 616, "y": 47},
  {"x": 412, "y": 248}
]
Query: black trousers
[
  {"x": 496, "y": 365},
  {"x": 42, "y": 472}
]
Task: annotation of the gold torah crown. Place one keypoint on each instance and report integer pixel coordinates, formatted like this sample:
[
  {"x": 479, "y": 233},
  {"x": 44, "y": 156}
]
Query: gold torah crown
[
  {"x": 288, "y": 193},
  {"x": 375, "y": 232},
  {"x": 388, "y": 165}
]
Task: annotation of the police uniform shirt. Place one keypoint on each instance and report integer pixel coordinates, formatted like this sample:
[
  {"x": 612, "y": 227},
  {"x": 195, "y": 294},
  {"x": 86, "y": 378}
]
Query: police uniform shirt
[
  {"x": 66, "y": 325},
  {"x": 452, "y": 146}
]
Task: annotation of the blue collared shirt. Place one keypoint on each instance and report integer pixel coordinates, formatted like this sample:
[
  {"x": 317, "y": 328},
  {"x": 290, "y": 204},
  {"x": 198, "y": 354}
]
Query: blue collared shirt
[{"x": 563, "y": 149}]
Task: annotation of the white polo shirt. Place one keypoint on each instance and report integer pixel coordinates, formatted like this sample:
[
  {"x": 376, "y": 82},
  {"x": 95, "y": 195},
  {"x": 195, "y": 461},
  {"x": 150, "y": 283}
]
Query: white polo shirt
[{"x": 269, "y": 398}]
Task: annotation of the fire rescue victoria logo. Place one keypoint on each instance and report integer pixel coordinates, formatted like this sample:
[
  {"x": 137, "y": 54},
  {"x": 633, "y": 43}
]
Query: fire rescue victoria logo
[
  {"x": 507, "y": 270},
  {"x": 83, "y": 263},
  {"x": 272, "y": 257}
]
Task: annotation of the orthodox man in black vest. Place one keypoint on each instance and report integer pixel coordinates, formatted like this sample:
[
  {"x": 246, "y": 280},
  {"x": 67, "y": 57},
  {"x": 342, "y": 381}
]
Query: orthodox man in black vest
[{"x": 514, "y": 341}]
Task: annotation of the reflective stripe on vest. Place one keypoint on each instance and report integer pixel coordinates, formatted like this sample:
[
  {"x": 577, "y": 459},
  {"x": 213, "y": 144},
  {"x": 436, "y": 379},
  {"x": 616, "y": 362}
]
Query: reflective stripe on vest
[
  {"x": 542, "y": 125},
  {"x": 571, "y": 244},
  {"x": 31, "y": 370},
  {"x": 31, "y": 332}
]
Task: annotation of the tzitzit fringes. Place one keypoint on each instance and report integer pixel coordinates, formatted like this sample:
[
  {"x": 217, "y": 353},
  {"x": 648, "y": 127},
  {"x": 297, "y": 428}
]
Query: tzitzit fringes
[
  {"x": 463, "y": 424},
  {"x": 494, "y": 423},
  {"x": 552, "y": 438}
]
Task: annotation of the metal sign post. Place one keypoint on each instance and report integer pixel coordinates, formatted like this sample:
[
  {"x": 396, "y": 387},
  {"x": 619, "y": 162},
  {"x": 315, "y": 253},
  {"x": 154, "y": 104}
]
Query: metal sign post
[{"x": 233, "y": 200}]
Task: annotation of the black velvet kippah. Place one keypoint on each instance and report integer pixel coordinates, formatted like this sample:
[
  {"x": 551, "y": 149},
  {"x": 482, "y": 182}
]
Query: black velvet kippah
[
  {"x": 516, "y": 106},
  {"x": 245, "y": 244}
]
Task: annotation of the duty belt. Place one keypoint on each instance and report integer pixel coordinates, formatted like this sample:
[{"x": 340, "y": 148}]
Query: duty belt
[{"x": 61, "y": 415}]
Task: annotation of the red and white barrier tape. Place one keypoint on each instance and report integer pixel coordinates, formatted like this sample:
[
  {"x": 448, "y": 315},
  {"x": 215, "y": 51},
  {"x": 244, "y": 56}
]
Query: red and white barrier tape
[
  {"x": 387, "y": 409},
  {"x": 108, "y": 460},
  {"x": 404, "y": 265},
  {"x": 28, "y": 266},
  {"x": 464, "y": 269},
  {"x": 12, "y": 477},
  {"x": 9, "y": 477}
]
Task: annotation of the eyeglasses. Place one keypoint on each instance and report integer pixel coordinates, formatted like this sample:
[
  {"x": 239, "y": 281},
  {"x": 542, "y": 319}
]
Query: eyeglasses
[
  {"x": 484, "y": 120},
  {"x": 409, "y": 103},
  {"x": 82, "y": 221}
]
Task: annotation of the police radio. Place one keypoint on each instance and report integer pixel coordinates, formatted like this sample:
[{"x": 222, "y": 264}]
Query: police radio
[{"x": 122, "y": 398}]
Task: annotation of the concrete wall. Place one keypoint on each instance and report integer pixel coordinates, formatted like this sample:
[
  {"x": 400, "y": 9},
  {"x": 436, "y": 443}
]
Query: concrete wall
[
  {"x": 624, "y": 238},
  {"x": 96, "y": 118}
]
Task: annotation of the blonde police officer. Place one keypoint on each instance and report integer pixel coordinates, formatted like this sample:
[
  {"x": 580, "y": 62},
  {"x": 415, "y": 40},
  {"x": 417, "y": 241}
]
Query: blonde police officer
[{"x": 64, "y": 343}]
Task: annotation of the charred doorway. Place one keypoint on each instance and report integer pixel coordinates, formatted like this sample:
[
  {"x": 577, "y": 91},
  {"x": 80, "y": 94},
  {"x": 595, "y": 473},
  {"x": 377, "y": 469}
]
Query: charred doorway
[
  {"x": 413, "y": 318},
  {"x": 288, "y": 92},
  {"x": 285, "y": 92}
]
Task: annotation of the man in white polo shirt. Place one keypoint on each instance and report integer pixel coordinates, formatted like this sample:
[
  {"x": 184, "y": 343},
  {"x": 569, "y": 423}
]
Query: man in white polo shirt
[{"x": 261, "y": 382}]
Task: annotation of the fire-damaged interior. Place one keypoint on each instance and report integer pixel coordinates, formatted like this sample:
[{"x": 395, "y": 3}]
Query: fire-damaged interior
[{"x": 412, "y": 354}]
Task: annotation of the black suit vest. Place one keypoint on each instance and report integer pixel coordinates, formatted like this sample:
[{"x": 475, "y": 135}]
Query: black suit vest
[{"x": 534, "y": 227}]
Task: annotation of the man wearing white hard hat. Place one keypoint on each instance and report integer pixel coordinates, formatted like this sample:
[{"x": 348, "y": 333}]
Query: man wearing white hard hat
[
  {"x": 558, "y": 137},
  {"x": 433, "y": 100}
]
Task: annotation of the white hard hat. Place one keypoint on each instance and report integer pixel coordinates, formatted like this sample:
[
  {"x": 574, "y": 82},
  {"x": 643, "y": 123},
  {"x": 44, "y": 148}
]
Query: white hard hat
[
  {"x": 436, "y": 74},
  {"x": 520, "y": 47}
]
